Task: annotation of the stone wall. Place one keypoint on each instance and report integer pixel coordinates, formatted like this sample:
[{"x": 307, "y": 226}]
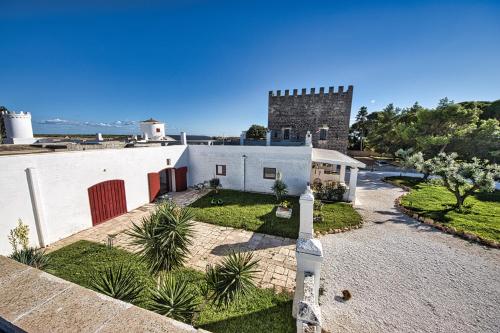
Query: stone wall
[{"x": 302, "y": 112}]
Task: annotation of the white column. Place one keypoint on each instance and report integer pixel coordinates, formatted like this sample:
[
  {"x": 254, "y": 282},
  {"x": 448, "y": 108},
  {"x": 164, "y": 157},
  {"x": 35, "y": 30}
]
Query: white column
[
  {"x": 309, "y": 254},
  {"x": 342, "y": 173},
  {"x": 306, "y": 203},
  {"x": 353, "y": 179},
  {"x": 172, "y": 177},
  {"x": 243, "y": 136},
  {"x": 308, "y": 139},
  {"x": 268, "y": 138},
  {"x": 37, "y": 205},
  {"x": 183, "y": 139}
]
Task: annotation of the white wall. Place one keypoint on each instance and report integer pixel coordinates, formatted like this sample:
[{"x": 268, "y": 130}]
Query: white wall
[
  {"x": 294, "y": 163},
  {"x": 64, "y": 179}
]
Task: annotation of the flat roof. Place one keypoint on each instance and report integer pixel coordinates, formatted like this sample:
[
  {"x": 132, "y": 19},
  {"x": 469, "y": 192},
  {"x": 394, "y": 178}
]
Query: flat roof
[{"x": 335, "y": 157}]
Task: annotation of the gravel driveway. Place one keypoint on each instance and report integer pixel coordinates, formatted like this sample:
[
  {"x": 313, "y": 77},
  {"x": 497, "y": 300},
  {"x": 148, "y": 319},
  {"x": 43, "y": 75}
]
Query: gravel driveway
[{"x": 404, "y": 276}]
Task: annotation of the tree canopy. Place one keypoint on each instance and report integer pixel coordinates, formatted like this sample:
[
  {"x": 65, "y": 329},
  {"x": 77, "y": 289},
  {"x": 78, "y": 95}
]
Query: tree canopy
[
  {"x": 256, "y": 132},
  {"x": 468, "y": 128}
]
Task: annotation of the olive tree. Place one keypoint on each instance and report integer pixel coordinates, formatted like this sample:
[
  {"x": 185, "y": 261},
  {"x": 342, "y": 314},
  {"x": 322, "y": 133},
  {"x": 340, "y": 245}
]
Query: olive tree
[{"x": 464, "y": 178}]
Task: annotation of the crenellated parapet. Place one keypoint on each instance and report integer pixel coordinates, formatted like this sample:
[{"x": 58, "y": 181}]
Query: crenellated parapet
[{"x": 312, "y": 92}]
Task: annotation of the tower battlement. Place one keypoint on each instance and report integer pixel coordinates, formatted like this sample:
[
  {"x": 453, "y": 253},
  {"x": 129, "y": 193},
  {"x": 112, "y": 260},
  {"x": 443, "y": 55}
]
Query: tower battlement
[{"x": 312, "y": 92}]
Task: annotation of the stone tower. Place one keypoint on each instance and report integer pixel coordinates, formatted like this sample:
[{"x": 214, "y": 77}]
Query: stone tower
[{"x": 325, "y": 114}]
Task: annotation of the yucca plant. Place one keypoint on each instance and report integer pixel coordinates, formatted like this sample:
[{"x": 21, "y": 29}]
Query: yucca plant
[
  {"x": 31, "y": 256},
  {"x": 164, "y": 237},
  {"x": 280, "y": 189},
  {"x": 118, "y": 281},
  {"x": 232, "y": 278},
  {"x": 173, "y": 298}
]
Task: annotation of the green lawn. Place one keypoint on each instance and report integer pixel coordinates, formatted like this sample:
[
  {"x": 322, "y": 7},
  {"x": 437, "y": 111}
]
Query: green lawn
[
  {"x": 482, "y": 218},
  {"x": 256, "y": 212},
  {"x": 337, "y": 215},
  {"x": 261, "y": 311}
]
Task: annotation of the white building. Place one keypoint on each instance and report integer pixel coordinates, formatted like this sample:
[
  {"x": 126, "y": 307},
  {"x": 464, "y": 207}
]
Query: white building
[
  {"x": 61, "y": 193},
  {"x": 18, "y": 127},
  {"x": 152, "y": 129}
]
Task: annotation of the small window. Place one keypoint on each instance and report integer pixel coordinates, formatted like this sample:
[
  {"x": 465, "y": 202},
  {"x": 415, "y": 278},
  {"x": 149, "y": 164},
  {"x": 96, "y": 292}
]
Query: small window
[
  {"x": 157, "y": 130},
  {"x": 286, "y": 134},
  {"x": 322, "y": 133},
  {"x": 269, "y": 173},
  {"x": 275, "y": 134},
  {"x": 169, "y": 161},
  {"x": 220, "y": 170}
]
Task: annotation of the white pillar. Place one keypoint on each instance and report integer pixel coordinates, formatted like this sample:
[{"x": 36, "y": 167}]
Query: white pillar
[
  {"x": 268, "y": 138},
  {"x": 353, "y": 180},
  {"x": 342, "y": 174},
  {"x": 243, "y": 136},
  {"x": 306, "y": 203},
  {"x": 99, "y": 137},
  {"x": 308, "y": 139},
  {"x": 183, "y": 139},
  {"x": 37, "y": 205},
  {"x": 145, "y": 136},
  {"x": 309, "y": 254}
]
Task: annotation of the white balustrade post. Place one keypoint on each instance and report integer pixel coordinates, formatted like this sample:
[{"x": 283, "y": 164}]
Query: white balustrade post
[
  {"x": 306, "y": 202},
  {"x": 353, "y": 179},
  {"x": 308, "y": 139},
  {"x": 268, "y": 138}
]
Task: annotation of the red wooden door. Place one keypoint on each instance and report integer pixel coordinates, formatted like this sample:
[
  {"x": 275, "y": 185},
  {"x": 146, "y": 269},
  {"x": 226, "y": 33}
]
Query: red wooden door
[
  {"x": 107, "y": 200},
  {"x": 181, "y": 179},
  {"x": 154, "y": 185}
]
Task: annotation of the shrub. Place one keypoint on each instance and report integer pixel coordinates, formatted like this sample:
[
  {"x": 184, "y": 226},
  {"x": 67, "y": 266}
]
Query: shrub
[
  {"x": 256, "y": 132},
  {"x": 285, "y": 204},
  {"x": 118, "y": 282},
  {"x": 318, "y": 205},
  {"x": 31, "y": 256},
  {"x": 173, "y": 298},
  {"x": 330, "y": 192},
  {"x": 164, "y": 237},
  {"x": 280, "y": 189},
  {"x": 232, "y": 278},
  {"x": 19, "y": 240}
]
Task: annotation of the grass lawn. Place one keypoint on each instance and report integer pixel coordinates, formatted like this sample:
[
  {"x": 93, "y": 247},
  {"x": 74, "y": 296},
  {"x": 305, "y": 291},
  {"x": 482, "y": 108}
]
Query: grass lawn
[
  {"x": 434, "y": 201},
  {"x": 257, "y": 212},
  {"x": 337, "y": 215},
  {"x": 261, "y": 311}
]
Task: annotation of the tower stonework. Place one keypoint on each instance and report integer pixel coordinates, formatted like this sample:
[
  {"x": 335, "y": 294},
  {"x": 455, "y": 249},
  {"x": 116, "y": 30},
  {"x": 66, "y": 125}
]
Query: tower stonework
[{"x": 325, "y": 114}]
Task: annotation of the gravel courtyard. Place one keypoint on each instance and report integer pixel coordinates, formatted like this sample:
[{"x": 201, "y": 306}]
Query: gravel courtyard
[{"x": 406, "y": 277}]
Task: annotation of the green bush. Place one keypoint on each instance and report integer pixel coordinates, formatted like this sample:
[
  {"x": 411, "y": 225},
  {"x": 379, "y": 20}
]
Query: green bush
[
  {"x": 329, "y": 192},
  {"x": 280, "y": 189},
  {"x": 31, "y": 256}
]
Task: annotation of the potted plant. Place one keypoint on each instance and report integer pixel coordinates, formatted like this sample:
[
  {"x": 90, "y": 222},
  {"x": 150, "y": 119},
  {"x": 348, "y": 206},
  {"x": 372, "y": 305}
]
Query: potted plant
[{"x": 284, "y": 210}]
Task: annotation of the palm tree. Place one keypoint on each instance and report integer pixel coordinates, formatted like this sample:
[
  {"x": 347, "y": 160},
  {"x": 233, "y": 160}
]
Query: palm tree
[{"x": 164, "y": 237}]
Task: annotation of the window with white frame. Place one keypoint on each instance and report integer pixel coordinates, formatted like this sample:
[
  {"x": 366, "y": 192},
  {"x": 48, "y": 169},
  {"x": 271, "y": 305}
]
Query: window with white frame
[
  {"x": 269, "y": 173},
  {"x": 220, "y": 170},
  {"x": 323, "y": 133}
]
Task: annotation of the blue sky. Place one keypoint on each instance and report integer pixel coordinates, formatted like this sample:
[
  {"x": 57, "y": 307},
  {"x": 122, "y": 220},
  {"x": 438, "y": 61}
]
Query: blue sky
[{"x": 206, "y": 67}]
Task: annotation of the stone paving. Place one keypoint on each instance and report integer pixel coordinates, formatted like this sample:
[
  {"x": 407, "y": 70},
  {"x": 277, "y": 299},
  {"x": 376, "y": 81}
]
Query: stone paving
[{"x": 277, "y": 263}]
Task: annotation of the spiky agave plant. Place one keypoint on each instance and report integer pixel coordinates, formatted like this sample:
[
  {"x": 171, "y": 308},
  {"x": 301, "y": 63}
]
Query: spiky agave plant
[
  {"x": 173, "y": 298},
  {"x": 164, "y": 237},
  {"x": 31, "y": 256},
  {"x": 118, "y": 281},
  {"x": 232, "y": 278}
]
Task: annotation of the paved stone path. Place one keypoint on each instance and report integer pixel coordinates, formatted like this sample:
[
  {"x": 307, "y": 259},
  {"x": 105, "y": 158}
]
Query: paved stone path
[
  {"x": 277, "y": 263},
  {"x": 405, "y": 276}
]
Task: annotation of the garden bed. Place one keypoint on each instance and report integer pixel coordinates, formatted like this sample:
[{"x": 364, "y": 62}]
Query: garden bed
[
  {"x": 337, "y": 217},
  {"x": 261, "y": 311},
  {"x": 434, "y": 205}
]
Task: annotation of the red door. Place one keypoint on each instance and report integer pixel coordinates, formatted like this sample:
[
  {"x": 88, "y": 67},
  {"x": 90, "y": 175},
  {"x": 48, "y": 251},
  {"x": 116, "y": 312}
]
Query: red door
[
  {"x": 154, "y": 185},
  {"x": 181, "y": 179},
  {"x": 107, "y": 200}
]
